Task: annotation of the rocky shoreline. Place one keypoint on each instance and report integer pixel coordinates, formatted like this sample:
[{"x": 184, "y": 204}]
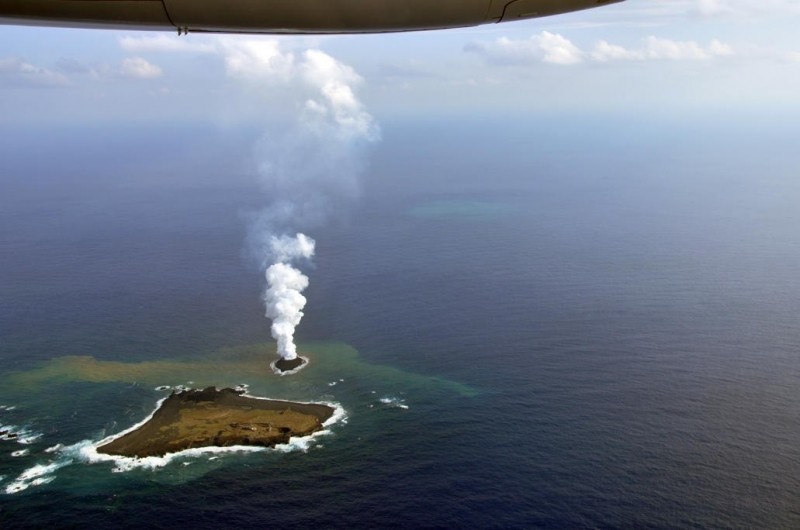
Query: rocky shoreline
[{"x": 218, "y": 418}]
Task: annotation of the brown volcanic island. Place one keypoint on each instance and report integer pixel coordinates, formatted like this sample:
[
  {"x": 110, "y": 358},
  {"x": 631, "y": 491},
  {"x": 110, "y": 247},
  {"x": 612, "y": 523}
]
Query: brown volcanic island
[{"x": 221, "y": 418}]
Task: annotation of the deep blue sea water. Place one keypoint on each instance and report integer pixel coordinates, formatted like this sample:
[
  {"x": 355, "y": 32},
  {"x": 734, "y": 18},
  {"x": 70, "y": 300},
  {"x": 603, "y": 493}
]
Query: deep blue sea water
[{"x": 592, "y": 322}]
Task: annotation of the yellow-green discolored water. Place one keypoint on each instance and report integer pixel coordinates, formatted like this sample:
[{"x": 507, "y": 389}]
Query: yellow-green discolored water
[
  {"x": 64, "y": 406},
  {"x": 329, "y": 362}
]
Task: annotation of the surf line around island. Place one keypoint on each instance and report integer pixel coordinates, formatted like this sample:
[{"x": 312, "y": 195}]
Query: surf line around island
[
  {"x": 87, "y": 451},
  {"x": 281, "y": 366}
]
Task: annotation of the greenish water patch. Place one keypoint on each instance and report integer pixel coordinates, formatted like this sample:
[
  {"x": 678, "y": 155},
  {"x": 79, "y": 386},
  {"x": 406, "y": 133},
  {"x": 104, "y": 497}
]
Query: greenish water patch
[
  {"x": 329, "y": 363},
  {"x": 71, "y": 401},
  {"x": 461, "y": 210}
]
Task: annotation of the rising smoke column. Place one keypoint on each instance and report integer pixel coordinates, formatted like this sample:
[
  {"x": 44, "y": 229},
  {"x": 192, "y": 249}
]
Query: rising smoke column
[
  {"x": 283, "y": 297},
  {"x": 309, "y": 169}
]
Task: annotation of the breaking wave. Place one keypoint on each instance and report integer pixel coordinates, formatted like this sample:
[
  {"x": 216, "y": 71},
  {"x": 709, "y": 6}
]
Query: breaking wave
[
  {"x": 394, "y": 402},
  {"x": 288, "y": 372},
  {"x": 14, "y": 433}
]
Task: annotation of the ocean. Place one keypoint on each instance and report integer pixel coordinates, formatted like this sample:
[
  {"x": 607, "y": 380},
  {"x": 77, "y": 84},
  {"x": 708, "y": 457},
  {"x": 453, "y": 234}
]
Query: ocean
[{"x": 530, "y": 322}]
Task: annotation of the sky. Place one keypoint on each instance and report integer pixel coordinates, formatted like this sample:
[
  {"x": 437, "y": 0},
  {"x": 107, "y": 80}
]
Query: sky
[{"x": 669, "y": 57}]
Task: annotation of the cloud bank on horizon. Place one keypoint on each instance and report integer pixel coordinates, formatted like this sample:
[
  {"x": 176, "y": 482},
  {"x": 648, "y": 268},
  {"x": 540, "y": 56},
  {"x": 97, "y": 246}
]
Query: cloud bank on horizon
[
  {"x": 726, "y": 52},
  {"x": 553, "y": 48}
]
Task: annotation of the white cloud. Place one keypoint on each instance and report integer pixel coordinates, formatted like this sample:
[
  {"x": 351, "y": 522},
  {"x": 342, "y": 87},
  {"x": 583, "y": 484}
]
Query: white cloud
[
  {"x": 405, "y": 69},
  {"x": 746, "y": 7},
  {"x": 678, "y": 9},
  {"x": 165, "y": 43},
  {"x": 713, "y": 7},
  {"x": 335, "y": 82},
  {"x": 545, "y": 47},
  {"x": 717, "y": 48},
  {"x": 557, "y": 49},
  {"x": 67, "y": 65},
  {"x": 325, "y": 83},
  {"x": 661, "y": 49},
  {"x": 256, "y": 59},
  {"x": 553, "y": 48},
  {"x": 604, "y": 52},
  {"x": 656, "y": 48},
  {"x": 320, "y": 69},
  {"x": 139, "y": 68},
  {"x": 16, "y": 72}
]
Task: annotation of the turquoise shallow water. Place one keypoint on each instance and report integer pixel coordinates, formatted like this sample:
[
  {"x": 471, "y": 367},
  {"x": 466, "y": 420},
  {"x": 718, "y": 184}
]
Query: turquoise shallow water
[{"x": 544, "y": 337}]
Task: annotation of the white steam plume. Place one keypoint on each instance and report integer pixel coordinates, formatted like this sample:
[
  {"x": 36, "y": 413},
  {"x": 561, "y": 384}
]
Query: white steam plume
[
  {"x": 309, "y": 169},
  {"x": 283, "y": 298}
]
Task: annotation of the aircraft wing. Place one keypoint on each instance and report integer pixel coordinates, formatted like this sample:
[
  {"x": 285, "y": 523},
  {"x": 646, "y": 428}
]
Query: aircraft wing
[{"x": 281, "y": 16}]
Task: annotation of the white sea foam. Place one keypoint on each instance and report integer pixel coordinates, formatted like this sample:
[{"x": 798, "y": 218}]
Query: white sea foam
[
  {"x": 21, "y": 435},
  {"x": 298, "y": 444},
  {"x": 21, "y": 452},
  {"x": 303, "y": 443},
  {"x": 339, "y": 414},
  {"x": 163, "y": 388},
  {"x": 289, "y": 372},
  {"x": 394, "y": 402},
  {"x": 10, "y": 430},
  {"x": 36, "y": 476},
  {"x": 27, "y": 437},
  {"x": 87, "y": 452}
]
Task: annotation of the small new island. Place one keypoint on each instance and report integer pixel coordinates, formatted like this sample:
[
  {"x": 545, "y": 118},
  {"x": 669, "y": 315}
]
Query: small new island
[{"x": 218, "y": 418}]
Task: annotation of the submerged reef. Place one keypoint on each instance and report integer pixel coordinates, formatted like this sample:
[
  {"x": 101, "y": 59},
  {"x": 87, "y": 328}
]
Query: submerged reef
[{"x": 218, "y": 418}]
